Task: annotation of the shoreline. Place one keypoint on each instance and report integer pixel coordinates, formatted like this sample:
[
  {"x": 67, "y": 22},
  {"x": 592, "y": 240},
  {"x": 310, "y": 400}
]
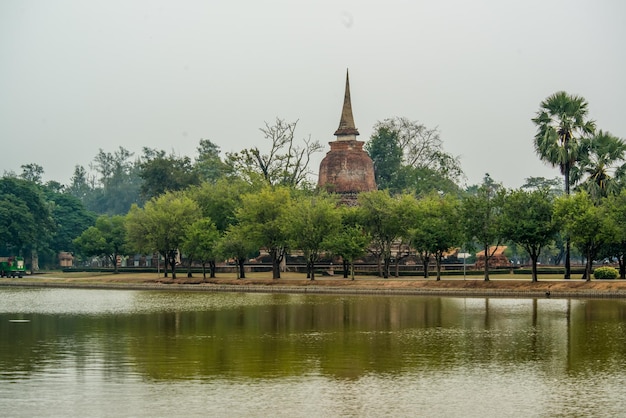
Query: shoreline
[{"x": 503, "y": 288}]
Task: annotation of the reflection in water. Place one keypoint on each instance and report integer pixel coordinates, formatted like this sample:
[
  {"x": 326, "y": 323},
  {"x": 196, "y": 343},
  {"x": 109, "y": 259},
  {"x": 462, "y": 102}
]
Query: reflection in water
[{"x": 309, "y": 354}]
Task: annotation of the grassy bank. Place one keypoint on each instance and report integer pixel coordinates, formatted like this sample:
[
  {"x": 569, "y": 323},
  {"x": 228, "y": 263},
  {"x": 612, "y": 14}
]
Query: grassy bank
[{"x": 514, "y": 285}]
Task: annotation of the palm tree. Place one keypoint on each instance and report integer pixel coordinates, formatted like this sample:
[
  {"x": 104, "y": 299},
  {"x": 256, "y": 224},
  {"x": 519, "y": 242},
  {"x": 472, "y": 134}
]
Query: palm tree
[
  {"x": 561, "y": 125},
  {"x": 603, "y": 164}
]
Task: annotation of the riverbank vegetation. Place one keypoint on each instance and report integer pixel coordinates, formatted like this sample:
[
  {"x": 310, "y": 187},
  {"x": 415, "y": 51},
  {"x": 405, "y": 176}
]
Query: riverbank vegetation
[{"x": 260, "y": 206}]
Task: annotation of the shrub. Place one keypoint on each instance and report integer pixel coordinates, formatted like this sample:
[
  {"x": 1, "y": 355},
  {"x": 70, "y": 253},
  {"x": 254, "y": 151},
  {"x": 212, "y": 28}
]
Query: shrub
[{"x": 605, "y": 273}]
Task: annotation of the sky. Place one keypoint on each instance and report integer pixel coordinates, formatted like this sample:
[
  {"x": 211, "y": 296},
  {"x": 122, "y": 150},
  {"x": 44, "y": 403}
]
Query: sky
[{"x": 79, "y": 76}]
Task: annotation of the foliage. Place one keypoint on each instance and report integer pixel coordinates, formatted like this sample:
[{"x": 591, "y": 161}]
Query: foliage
[
  {"x": 262, "y": 217},
  {"x": 584, "y": 222},
  {"x": 208, "y": 165},
  {"x": 385, "y": 219},
  {"x": 106, "y": 238},
  {"x": 220, "y": 200},
  {"x": 561, "y": 125},
  {"x": 118, "y": 185},
  {"x": 71, "y": 219},
  {"x": 615, "y": 245},
  {"x": 26, "y": 223},
  {"x": 602, "y": 167},
  {"x": 482, "y": 213},
  {"x": 286, "y": 164},
  {"x": 436, "y": 228},
  {"x": 605, "y": 273},
  {"x": 161, "y": 225},
  {"x": 409, "y": 156},
  {"x": 201, "y": 244},
  {"x": 235, "y": 244},
  {"x": 162, "y": 173},
  {"x": 527, "y": 221},
  {"x": 385, "y": 151},
  {"x": 311, "y": 223}
]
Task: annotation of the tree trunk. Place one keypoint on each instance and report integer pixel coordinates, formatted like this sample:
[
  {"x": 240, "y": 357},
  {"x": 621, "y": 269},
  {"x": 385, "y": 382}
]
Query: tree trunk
[
  {"x": 212, "y": 269},
  {"x": 346, "y": 265},
  {"x": 487, "y": 258},
  {"x": 622, "y": 266},
  {"x": 588, "y": 267},
  {"x": 203, "y": 270},
  {"x": 425, "y": 263},
  {"x": 438, "y": 263},
  {"x": 311, "y": 264},
  {"x": 534, "y": 257},
  {"x": 189, "y": 274},
  {"x": 242, "y": 271},
  {"x": 275, "y": 263}
]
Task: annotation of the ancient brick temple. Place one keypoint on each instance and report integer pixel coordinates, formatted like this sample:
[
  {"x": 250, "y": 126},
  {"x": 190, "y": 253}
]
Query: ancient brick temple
[{"x": 347, "y": 169}]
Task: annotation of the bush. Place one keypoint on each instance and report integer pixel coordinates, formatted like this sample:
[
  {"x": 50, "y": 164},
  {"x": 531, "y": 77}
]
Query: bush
[{"x": 605, "y": 273}]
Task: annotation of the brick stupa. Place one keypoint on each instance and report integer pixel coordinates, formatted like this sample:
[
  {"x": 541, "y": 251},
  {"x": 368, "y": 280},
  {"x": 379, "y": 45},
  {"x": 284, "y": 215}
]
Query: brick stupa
[{"x": 347, "y": 169}]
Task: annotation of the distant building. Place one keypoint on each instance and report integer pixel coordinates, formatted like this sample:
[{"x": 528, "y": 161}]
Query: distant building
[
  {"x": 347, "y": 169},
  {"x": 497, "y": 260}
]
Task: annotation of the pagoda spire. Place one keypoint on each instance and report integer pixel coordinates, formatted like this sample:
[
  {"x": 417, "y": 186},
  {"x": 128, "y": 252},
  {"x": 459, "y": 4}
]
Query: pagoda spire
[{"x": 346, "y": 130}]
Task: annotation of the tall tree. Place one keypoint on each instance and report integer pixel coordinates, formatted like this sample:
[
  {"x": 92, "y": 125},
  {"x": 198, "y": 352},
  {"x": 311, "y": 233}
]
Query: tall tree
[
  {"x": 160, "y": 226},
  {"x": 311, "y": 223},
  {"x": 286, "y": 163},
  {"x": 26, "y": 223},
  {"x": 208, "y": 164},
  {"x": 527, "y": 221},
  {"x": 235, "y": 244},
  {"x": 425, "y": 165},
  {"x": 585, "y": 223},
  {"x": 616, "y": 217},
  {"x": 162, "y": 173},
  {"x": 482, "y": 213},
  {"x": 385, "y": 151},
  {"x": 262, "y": 216},
  {"x": 32, "y": 172},
  {"x": 561, "y": 125},
  {"x": 106, "y": 238},
  {"x": 201, "y": 244},
  {"x": 436, "y": 228},
  {"x": 602, "y": 166},
  {"x": 384, "y": 218}
]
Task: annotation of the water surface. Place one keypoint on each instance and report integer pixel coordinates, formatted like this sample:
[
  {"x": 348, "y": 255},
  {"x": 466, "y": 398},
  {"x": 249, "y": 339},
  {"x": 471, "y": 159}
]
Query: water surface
[{"x": 72, "y": 352}]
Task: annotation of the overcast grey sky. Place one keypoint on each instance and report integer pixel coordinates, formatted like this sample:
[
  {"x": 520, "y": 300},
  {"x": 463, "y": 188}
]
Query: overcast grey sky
[{"x": 77, "y": 76}]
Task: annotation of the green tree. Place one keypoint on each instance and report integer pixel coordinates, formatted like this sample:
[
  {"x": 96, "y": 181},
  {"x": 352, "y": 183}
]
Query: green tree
[
  {"x": 162, "y": 173},
  {"x": 561, "y": 125},
  {"x": 32, "y": 172},
  {"x": 107, "y": 238},
  {"x": 208, "y": 164},
  {"x": 384, "y": 219},
  {"x": 602, "y": 165},
  {"x": 201, "y": 243},
  {"x": 616, "y": 218},
  {"x": 310, "y": 225},
  {"x": 160, "y": 226},
  {"x": 424, "y": 166},
  {"x": 219, "y": 201},
  {"x": 386, "y": 154},
  {"x": 262, "y": 217},
  {"x": 349, "y": 243},
  {"x": 584, "y": 222},
  {"x": 436, "y": 228},
  {"x": 482, "y": 214},
  {"x": 71, "y": 219},
  {"x": 235, "y": 244},
  {"x": 26, "y": 223},
  {"x": 527, "y": 221}
]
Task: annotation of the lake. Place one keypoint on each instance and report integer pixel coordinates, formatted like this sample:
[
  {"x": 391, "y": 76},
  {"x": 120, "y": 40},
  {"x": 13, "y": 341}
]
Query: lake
[{"x": 77, "y": 352}]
